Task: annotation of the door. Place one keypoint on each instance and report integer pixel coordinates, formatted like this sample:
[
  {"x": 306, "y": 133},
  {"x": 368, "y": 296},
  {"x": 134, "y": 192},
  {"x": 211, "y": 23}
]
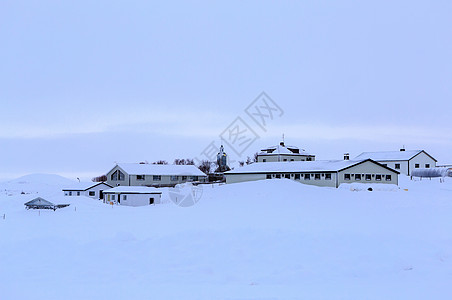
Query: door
[
  {"x": 101, "y": 194},
  {"x": 151, "y": 201}
]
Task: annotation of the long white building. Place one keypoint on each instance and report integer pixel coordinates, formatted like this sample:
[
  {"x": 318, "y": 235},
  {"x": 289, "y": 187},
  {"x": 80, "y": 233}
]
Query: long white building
[
  {"x": 321, "y": 173},
  {"x": 132, "y": 174}
]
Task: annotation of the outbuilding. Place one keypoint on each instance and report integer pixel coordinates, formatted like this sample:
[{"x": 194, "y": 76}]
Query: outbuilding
[
  {"x": 89, "y": 189},
  {"x": 331, "y": 173},
  {"x": 133, "y": 195}
]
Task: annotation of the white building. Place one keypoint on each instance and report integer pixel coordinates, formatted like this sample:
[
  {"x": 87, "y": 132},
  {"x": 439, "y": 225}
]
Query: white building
[
  {"x": 403, "y": 161},
  {"x": 133, "y": 196},
  {"x": 131, "y": 174},
  {"x": 319, "y": 173},
  {"x": 282, "y": 152},
  {"x": 88, "y": 189}
]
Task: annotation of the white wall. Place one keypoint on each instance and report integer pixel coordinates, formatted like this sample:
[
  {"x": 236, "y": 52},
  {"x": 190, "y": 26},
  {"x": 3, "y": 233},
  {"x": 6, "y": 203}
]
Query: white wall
[
  {"x": 370, "y": 168},
  {"x": 132, "y": 199}
]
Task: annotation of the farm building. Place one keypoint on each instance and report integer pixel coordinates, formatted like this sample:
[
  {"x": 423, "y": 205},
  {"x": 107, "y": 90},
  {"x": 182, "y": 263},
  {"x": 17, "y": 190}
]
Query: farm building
[
  {"x": 282, "y": 152},
  {"x": 130, "y": 174},
  {"x": 88, "y": 189},
  {"x": 403, "y": 161},
  {"x": 133, "y": 195},
  {"x": 40, "y": 203},
  {"x": 319, "y": 173}
]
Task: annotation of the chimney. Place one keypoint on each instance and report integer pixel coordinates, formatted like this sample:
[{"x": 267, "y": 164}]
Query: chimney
[
  {"x": 282, "y": 143},
  {"x": 346, "y": 156},
  {"x": 402, "y": 149}
]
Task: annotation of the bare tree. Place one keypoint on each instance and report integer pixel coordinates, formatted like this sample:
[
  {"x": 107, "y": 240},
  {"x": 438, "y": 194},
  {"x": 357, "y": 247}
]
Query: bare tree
[
  {"x": 255, "y": 157},
  {"x": 249, "y": 160},
  {"x": 183, "y": 161},
  {"x": 241, "y": 163},
  {"x": 205, "y": 166},
  {"x": 160, "y": 162},
  {"x": 100, "y": 178}
]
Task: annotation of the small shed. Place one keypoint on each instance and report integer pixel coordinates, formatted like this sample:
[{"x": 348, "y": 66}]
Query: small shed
[
  {"x": 133, "y": 195},
  {"x": 89, "y": 189},
  {"x": 40, "y": 203}
]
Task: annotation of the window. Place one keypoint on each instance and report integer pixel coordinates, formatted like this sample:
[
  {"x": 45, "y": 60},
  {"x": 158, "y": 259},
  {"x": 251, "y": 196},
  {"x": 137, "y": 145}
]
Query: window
[
  {"x": 112, "y": 197},
  {"x": 292, "y": 159},
  {"x": 194, "y": 178},
  {"x": 346, "y": 176},
  {"x": 70, "y": 193},
  {"x": 278, "y": 175},
  {"x": 427, "y": 166},
  {"x": 378, "y": 177},
  {"x": 92, "y": 193},
  {"x": 174, "y": 178},
  {"x": 388, "y": 177},
  {"x": 157, "y": 177},
  {"x": 287, "y": 176},
  {"x": 78, "y": 193},
  {"x": 297, "y": 176},
  {"x": 317, "y": 176},
  {"x": 117, "y": 175},
  {"x": 66, "y": 193},
  {"x": 124, "y": 197},
  {"x": 141, "y": 177},
  {"x": 307, "y": 176},
  {"x": 397, "y": 166},
  {"x": 385, "y": 165},
  {"x": 358, "y": 177},
  {"x": 184, "y": 177},
  {"x": 264, "y": 160},
  {"x": 368, "y": 177},
  {"x": 416, "y": 166},
  {"x": 327, "y": 176},
  {"x": 269, "y": 176},
  {"x": 308, "y": 159},
  {"x": 285, "y": 159}
]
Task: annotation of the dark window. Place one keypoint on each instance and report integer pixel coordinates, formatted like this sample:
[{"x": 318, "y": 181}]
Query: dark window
[
  {"x": 297, "y": 176},
  {"x": 327, "y": 176},
  {"x": 141, "y": 177},
  {"x": 117, "y": 175},
  {"x": 416, "y": 165},
  {"x": 378, "y": 177},
  {"x": 308, "y": 159},
  {"x": 112, "y": 197},
  {"x": 397, "y": 166},
  {"x": 157, "y": 177},
  {"x": 385, "y": 165},
  {"x": 427, "y": 166},
  {"x": 346, "y": 176},
  {"x": 287, "y": 176},
  {"x": 70, "y": 193},
  {"x": 368, "y": 177},
  {"x": 285, "y": 159},
  {"x": 357, "y": 176},
  {"x": 194, "y": 178},
  {"x": 317, "y": 176},
  {"x": 124, "y": 197},
  {"x": 388, "y": 177},
  {"x": 184, "y": 177},
  {"x": 278, "y": 175},
  {"x": 292, "y": 159},
  {"x": 307, "y": 176},
  {"x": 174, "y": 178},
  {"x": 269, "y": 176},
  {"x": 78, "y": 193},
  {"x": 264, "y": 160},
  {"x": 92, "y": 193},
  {"x": 151, "y": 201}
]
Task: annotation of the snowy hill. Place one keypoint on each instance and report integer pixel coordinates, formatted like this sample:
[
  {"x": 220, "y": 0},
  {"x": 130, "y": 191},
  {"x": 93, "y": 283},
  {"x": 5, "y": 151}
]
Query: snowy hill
[
  {"x": 35, "y": 184},
  {"x": 274, "y": 239}
]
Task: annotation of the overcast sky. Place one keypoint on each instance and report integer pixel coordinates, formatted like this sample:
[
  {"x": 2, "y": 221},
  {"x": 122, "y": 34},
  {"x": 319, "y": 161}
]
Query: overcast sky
[{"x": 85, "y": 84}]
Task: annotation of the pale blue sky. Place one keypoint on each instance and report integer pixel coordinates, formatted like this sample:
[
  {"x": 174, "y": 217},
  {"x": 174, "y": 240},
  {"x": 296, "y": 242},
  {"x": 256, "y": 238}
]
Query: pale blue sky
[{"x": 84, "y": 84}]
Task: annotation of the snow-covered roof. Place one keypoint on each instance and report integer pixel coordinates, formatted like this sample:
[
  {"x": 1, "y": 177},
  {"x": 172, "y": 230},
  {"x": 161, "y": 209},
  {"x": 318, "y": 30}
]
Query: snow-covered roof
[
  {"x": 133, "y": 190},
  {"x": 151, "y": 169},
  {"x": 389, "y": 155},
  {"x": 282, "y": 149},
  {"x": 39, "y": 201},
  {"x": 83, "y": 186},
  {"x": 297, "y": 166}
]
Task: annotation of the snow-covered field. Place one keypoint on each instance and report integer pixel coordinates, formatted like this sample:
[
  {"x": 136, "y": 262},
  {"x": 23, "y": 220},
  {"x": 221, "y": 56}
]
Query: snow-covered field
[{"x": 274, "y": 239}]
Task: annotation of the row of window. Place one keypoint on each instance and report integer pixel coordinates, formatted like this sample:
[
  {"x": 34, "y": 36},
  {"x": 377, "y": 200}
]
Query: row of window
[
  {"x": 285, "y": 159},
  {"x": 118, "y": 175},
  {"x": 298, "y": 176},
  {"x": 90, "y": 193},
  {"x": 367, "y": 177},
  {"x": 417, "y": 166}
]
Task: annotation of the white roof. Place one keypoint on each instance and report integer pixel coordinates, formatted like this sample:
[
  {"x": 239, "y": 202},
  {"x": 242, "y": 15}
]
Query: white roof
[
  {"x": 133, "y": 190},
  {"x": 151, "y": 169},
  {"x": 296, "y": 166},
  {"x": 389, "y": 155},
  {"x": 83, "y": 186}
]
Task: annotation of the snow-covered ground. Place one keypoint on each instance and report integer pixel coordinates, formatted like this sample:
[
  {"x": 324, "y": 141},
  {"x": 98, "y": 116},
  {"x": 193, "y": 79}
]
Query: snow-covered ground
[{"x": 273, "y": 239}]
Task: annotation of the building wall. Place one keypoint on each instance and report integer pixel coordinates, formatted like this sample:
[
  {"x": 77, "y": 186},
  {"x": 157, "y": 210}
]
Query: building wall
[
  {"x": 367, "y": 168},
  {"x": 422, "y": 159},
  {"x": 234, "y": 178},
  {"x": 319, "y": 180},
  {"x": 132, "y": 199},
  {"x": 392, "y": 164},
  {"x": 283, "y": 157}
]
